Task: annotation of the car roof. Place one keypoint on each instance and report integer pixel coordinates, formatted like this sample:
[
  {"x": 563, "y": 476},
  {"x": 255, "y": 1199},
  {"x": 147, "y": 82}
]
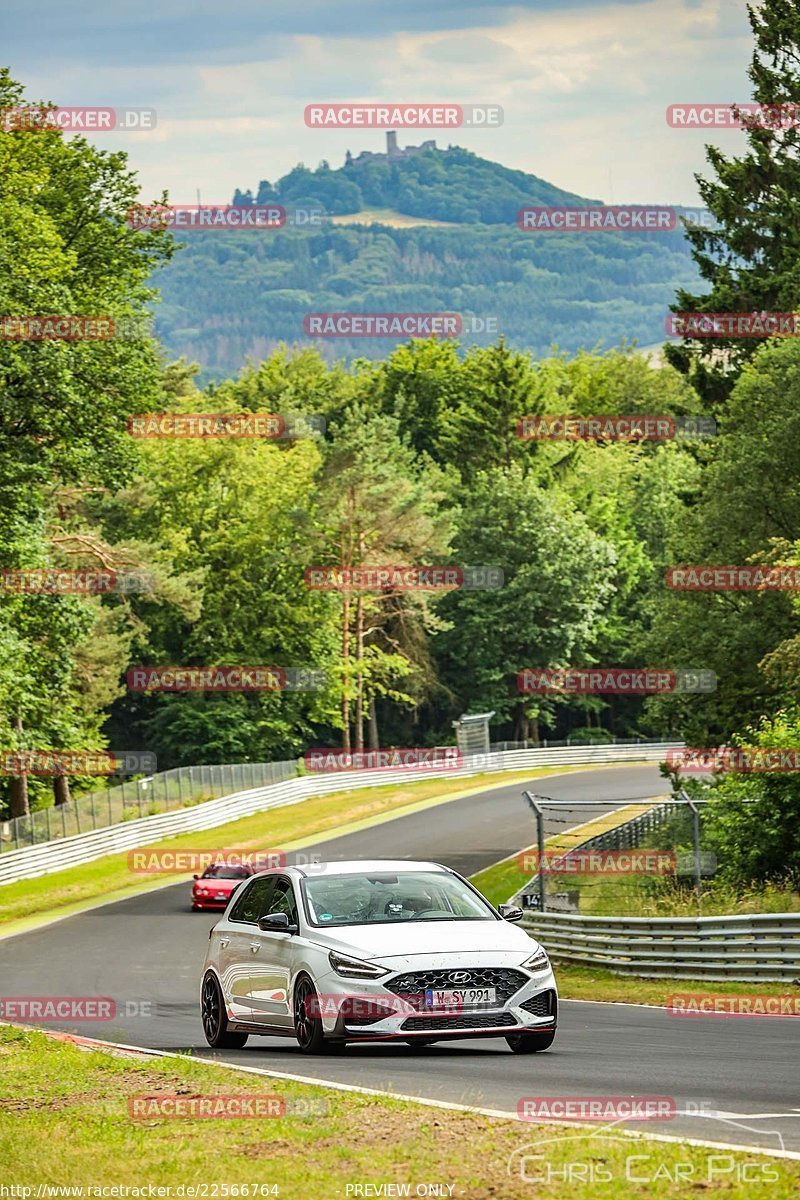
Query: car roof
[{"x": 360, "y": 866}]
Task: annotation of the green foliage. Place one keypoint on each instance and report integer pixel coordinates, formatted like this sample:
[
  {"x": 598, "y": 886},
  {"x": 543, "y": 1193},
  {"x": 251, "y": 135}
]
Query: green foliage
[
  {"x": 558, "y": 575},
  {"x": 751, "y": 259},
  {"x": 65, "y": 250},
  {"x": 753, "y": 819}
]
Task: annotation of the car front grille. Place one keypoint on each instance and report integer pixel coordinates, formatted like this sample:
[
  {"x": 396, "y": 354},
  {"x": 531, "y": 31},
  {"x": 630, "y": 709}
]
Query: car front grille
[
  {"x": 543, "y": 1005},
  {"x": 413, "y": 985},
  {"x": 493, "y": 1020}
]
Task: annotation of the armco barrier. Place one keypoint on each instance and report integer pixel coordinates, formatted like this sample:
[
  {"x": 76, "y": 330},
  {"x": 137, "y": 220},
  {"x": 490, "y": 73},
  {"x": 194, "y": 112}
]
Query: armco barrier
[
  {"x": 748, "y": 949},
  {"x": 45, "y": 858}
]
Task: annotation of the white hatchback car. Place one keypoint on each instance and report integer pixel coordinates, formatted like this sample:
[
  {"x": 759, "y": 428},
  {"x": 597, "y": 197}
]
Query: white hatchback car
[{"x": 373, "y": 950}]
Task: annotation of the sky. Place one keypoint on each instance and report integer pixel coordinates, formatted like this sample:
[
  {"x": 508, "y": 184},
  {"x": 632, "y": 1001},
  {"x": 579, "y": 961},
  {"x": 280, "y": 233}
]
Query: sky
[{"x": 584, "y": 84}]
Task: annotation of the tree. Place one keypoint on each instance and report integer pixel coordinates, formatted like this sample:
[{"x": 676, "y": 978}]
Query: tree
[
  {"x": 482, "y": 430},
  {"x": 558, "y": 579},
  {"x": 381, "y": 506},
  {"x": 753, "y": 819},
  {"x": 751, "y": 259},
  {"x": 235, "y": 523},
  {"x": 65, "y": 250},
  {"x": 747, "y": 510}
]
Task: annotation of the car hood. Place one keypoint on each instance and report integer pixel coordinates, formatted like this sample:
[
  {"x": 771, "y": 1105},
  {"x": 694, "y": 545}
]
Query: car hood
[{"x": 429, "y": 937}]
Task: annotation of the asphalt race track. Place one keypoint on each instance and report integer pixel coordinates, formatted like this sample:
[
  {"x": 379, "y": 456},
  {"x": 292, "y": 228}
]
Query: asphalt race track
[{"x": 146, "y": 953}]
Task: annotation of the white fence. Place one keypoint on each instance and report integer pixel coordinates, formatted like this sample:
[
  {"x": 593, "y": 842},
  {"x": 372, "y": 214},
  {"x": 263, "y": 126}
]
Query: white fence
[
  {"x": 45, "y": 858},
  {"x": 749, "y": 949}
]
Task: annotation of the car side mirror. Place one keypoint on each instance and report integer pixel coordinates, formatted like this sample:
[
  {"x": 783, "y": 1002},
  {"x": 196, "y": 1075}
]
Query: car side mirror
[
  {"x": 276, "y": 923},
  {"x": 510, "y": 912},
  {"x": 195, "y": 877}
]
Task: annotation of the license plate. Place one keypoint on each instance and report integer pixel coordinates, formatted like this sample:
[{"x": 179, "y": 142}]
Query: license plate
[
  {"x": 459, "y": 997},
  {"x": 222, "y": 896}
]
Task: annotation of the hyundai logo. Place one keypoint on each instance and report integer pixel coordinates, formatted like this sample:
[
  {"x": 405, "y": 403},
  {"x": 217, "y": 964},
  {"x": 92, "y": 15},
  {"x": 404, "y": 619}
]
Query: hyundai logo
[{"x": 460, "y": 977}]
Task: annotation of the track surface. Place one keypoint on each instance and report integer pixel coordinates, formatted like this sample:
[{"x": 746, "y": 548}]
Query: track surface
[{"x": 147, "y": 952}]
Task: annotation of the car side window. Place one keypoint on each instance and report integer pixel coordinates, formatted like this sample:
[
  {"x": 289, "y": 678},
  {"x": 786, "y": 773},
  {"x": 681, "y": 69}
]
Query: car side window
[
  {"x": 283, "y": 901},
  {"x": 253, "y": 900}
]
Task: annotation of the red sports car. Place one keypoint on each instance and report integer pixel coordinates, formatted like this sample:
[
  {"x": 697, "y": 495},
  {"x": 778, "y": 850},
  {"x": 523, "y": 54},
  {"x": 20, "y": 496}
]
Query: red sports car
[{"x": 214, "y": 888}]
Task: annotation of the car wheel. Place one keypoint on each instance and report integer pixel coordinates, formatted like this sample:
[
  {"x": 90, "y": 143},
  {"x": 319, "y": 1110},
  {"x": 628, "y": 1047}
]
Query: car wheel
[
  {"x": 307, "y": 1022},
  {"x": 530, "y": 1043},
  {"x": 215, "y": 1019}
]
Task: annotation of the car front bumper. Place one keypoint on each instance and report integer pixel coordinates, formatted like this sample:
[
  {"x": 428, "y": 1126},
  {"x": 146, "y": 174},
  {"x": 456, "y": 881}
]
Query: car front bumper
[{"x": 353, "y": 1009}]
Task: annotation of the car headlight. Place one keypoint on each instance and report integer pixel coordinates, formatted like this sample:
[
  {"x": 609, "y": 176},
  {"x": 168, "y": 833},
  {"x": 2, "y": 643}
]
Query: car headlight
[
  {"x": 538, "y": 961},
  {"x": 354, "y": 968}
]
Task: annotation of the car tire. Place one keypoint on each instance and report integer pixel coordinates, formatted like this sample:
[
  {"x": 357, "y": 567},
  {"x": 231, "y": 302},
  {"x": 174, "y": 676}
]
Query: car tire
[
  {"x": 307, "y": 1027},
  {"x": 215, "y": 1019},
  {"x": 531, "y": 1043}
]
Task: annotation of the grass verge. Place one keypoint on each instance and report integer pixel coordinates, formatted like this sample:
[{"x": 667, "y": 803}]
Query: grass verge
[
  {"x": 578, "y": 982},
  {"x": 65, "y": 1121},
  {"x": 275, "y": 829},
  {"x": 503, "y": 879}
]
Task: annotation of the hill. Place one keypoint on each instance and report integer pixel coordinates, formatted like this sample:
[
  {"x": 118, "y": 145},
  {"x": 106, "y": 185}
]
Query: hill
[
  {"x": 447, "y": 185},
  {"x": 233, "y": 295}
]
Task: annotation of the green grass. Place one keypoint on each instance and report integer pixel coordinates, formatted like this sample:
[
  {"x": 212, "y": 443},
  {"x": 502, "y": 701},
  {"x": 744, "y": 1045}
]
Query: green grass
[
  {"x": 275, "y": 829},
  {"x": 578, "y": 982},
  {"x": 505, "y": 878},
  {"x": 665, "y": 896},
  {"x": 65, "y": 1122},
  {"x": 388, "y": 216}
]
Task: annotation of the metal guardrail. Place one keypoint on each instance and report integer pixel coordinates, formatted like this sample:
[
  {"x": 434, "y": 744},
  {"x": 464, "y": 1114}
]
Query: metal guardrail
[
  {"x": 143, "y": 831},
  {"x": 161, "y": 792},
  {"x": 747, "y": 949},
  {"x": 180, "y": 787}
]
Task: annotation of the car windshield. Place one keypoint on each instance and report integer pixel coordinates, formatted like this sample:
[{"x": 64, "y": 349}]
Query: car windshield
[
  {"x": 372, "y": 899},
  {"x": 220, "y": 871}
]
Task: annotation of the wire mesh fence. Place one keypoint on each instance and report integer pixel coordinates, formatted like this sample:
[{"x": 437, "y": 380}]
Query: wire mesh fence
[
  {"x": 573, "y": 872},
  {"x": 162, "y": 792},
  {"x": 579, "y": 739}
]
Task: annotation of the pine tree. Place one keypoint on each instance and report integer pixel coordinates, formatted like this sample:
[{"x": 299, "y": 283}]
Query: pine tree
[{"x": 752, "y": 258}]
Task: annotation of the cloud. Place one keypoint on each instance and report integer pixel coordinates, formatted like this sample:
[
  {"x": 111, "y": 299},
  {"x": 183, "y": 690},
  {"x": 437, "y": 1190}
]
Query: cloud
[{"x": 584, "y": 86}]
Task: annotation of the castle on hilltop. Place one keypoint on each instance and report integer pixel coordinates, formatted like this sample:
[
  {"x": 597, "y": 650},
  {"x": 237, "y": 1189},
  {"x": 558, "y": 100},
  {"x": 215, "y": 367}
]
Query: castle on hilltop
[{"x": 393, "y": 151}]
